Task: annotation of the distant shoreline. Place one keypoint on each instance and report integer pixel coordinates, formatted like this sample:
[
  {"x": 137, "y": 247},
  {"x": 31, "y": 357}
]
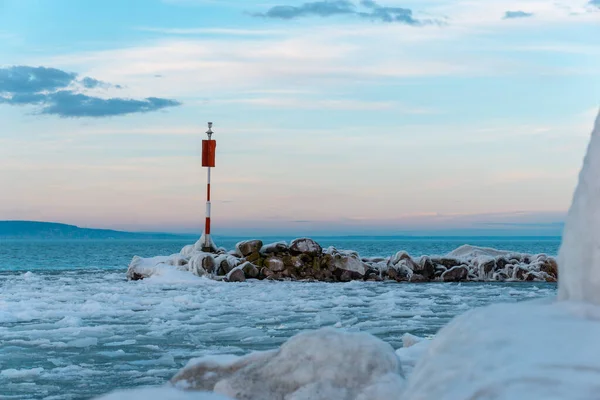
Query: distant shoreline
[{"x": 34, "y": 230}]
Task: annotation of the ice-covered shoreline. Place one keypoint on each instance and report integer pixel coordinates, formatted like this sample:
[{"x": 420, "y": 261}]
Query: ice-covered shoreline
[{"x": 304, "y": 259}]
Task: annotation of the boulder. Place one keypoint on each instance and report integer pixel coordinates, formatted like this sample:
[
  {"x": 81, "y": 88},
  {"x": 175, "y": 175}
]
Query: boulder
[
  {"x": 236, "y": 275},
  {"x": 425, "y": 268},
  {"x": 202, "y": 374},
  {"x": 202, "y": 263},
  {"x": 550, "y": 267},
  {"x": 351, "y": 266},
  {"x": 455, "y": 274},
  {"x": 320, "y": 365},
  {"x": 305, "y": 246},
  {"x": 446, "y": 262},
  {"x": 250, "y": 270},
  {"x": 274, "y": 248},
  {"x": 417, "y": 278},
  {"x": 274, "y": 264},
  {"x": 249, "y": 247}
]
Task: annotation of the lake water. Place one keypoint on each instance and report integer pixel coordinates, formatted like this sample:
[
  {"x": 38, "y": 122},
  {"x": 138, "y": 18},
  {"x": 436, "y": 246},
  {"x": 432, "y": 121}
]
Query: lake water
[{"x": 72, "y": 326}]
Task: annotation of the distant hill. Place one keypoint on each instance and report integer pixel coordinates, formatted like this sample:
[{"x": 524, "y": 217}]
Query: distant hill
[{"x": 51, "y": 230}]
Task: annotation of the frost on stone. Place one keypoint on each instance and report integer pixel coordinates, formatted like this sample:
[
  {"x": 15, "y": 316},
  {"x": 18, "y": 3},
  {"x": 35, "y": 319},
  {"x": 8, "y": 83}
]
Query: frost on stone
[{"x": 321, "y": 365}]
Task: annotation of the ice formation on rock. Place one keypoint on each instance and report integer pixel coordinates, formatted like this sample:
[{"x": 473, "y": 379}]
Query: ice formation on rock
[
  {"x": 304, "y": 259},
  {"x": 326, "y": 364},
  {"x": 579, "y": 256},
  {"x": 160, "y": 393}
]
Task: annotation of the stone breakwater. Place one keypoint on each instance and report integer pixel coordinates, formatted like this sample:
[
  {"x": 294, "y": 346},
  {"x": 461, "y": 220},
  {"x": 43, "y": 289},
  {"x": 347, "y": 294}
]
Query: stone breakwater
[{"x": 305, "y": 260}]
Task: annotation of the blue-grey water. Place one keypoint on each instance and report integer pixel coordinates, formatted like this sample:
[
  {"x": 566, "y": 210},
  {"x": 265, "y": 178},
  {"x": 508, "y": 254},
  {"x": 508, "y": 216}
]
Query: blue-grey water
[{"x": 72, "y": 326}]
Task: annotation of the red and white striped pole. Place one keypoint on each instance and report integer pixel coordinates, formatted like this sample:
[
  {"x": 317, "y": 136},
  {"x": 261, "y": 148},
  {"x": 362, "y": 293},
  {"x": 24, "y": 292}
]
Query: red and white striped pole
[{"x": 208, "y": 160}]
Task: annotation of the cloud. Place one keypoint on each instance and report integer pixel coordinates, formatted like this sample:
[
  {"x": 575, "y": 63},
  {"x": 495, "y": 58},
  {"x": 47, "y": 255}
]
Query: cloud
[
  {"x": 517, "y": 14},
  {"x": 57, "y": 92},
  {"x": 22, "y": 79},
  {"x": 327, "y": 8},
  {"x": 91, "y": 83}
]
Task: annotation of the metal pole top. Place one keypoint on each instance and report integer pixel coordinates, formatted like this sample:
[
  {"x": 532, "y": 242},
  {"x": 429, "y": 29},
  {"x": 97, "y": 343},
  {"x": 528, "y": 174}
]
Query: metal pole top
[{"x": 209, "y": 132}]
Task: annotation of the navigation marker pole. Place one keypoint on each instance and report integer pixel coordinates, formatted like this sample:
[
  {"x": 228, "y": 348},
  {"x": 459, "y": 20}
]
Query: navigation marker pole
[{"x": 208, "y": 160}]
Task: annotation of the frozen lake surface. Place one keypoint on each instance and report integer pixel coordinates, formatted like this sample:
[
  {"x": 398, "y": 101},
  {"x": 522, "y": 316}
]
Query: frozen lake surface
[
  {"x": 72, "y": 327},
  {"x": 76, "y": 334}
]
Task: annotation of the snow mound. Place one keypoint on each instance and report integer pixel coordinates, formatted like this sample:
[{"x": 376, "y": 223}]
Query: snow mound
[
  {"x": 160, "y": 393},
  {"x": 579, "y": 255},
  {"x": 469, "y": 252},
  {"x": 513, "y": 352},
  {"x": 326, "y": 364}
]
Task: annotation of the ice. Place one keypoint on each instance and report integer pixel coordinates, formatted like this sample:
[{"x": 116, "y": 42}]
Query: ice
[
  {"x": 21, "y": 373},
  {"x": 160, "y": 393},
  {"x": 471, "y": 252},
  {"x": 189, "y": 317},
  {"x": 579, "y": 255},
  {"x": 521, "y": 351},
  {"x": 326, "y": 364}
]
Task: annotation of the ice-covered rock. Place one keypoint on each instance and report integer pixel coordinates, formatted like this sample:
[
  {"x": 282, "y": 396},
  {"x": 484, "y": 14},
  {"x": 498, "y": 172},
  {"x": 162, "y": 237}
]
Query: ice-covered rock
[
  {"x": 236, "y": 275},
  {"x": 277, "y": 247},
  {"x": 305, "y": 246},
  {"x": 326, "y": 364},
  {"x": 141, "y": 268},
  {"x": 249, "y": 247},
  {"x": 579, "y": 255},
  {"x": 469, "y": 252},
  {"x": 201, "y": 244},
  {"x": 512, "y": 352},
  {"x": 160, "y": 393}
]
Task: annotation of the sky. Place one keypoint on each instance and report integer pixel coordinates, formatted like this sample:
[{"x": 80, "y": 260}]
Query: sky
[{"x": 331, "y": 117}]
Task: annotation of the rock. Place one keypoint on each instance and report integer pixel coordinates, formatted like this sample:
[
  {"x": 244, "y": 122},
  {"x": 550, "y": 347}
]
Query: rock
[
  {"x": 249, "y": 247},
  {"x": 250, "y": 270},
  {"x": 400, "y": 272},
  {"x": 520, "y": 273},
  {"x": 236, "y": 275},
  {"x": 202, "y": 374},
  {"x": 353, "y": 266},
  {"x": 319, "y": 365},
  {"x": 274, "y": 264},
  {"x": 202, "y": 263},
  {"x": 225, "y": 263},
  {"x": 488, "y": 267},
  {"x": 455, "y": 274},
  {"x": 305, "y": 246},
  {"x": 417, "y": 278},
  {"x": 253, "y": 257},
  {"x": 550, "y": 267},
  {"x": 446, "y": 262},
  {"x": 265, "y": 273},
  {"x": 425, "y": 268},
  {"x": 274, "y": 248}
]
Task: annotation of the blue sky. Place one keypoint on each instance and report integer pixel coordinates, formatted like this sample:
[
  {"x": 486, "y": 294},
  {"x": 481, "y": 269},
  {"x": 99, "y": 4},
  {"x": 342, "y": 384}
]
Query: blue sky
[{"x": 331, "y": 117}]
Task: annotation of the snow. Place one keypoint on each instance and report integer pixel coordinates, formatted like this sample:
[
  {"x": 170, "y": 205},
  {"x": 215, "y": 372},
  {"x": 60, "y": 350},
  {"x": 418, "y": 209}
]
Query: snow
[
  {"x": 513, "y": 351},
  {"x": 579, "y": 255},
  {"x": 21, "y": 373},
  {"x": 326, "y": 364},
  {"x": 273, "y": 247},
  {"x": 469, "y": 252},
  {"x": 160, "y": 393}
]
